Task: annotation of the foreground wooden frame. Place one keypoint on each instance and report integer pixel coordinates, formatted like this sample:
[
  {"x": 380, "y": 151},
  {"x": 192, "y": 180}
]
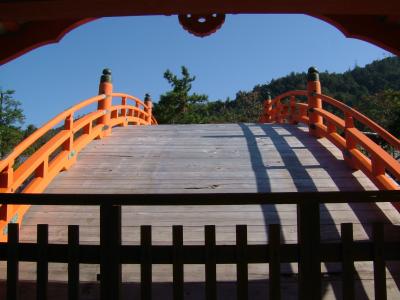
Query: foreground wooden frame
[
  {"x": 26, "y": 25},
  {"x": 309, "y": 252}
]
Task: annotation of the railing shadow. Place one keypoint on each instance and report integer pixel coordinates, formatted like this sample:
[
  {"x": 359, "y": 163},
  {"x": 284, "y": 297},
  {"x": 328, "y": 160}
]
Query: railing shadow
[
  {"x": 296, "y": 169},
  {"x": 359, "y": 209}
]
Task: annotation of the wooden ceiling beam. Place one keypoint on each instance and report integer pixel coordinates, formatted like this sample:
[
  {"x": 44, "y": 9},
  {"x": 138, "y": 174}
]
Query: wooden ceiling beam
[{"x": 32, "y": 10}]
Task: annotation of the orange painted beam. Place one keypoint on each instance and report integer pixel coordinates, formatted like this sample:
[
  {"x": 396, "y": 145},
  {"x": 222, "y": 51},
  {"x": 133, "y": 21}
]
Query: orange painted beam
[{"x": 66, "y": 9}]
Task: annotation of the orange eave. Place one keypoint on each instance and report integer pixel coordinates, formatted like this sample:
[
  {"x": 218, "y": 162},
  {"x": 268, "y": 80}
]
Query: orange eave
[{"x": 25, "y": 25}]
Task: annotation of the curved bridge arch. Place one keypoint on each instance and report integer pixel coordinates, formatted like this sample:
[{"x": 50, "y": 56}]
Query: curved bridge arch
[
  {"x": 320, "y": 113},
  {"x": 59, "y": 153},
  {"x": 304, "y": 106}
]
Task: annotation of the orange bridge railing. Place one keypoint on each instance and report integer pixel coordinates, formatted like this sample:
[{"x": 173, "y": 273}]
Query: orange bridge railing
[
  {"x": 334, "y": 120},
  {"x": 35, "y": 172}
]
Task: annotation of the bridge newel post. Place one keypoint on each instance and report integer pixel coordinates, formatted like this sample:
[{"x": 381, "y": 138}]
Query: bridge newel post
[
  {"x": 313, "y": 88},
  {"x": 106, "y": 88},
  {"x": 148, "y": 108},
  {"x": 267, "y": 107}
]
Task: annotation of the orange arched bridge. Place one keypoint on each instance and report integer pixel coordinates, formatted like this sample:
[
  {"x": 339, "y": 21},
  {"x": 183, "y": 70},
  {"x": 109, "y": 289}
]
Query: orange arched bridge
[{"x": 310, "y": 154}]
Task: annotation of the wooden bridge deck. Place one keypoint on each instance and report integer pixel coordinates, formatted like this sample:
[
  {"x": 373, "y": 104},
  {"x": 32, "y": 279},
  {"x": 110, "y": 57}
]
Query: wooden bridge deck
[
  {"x": 203, "y": 158},
  {"x": 213, "y": 158}
]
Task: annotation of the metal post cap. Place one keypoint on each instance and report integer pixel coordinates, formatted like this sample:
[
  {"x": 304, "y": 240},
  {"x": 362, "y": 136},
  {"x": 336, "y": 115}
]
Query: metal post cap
[
  {"x": 313, "y": 74},
  {"x": 106, "y": 77},
  {"x": 147, "y": 97}
]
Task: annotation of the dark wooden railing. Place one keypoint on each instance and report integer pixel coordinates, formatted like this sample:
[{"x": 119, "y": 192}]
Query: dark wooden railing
[{"x": 309, "y": 252}]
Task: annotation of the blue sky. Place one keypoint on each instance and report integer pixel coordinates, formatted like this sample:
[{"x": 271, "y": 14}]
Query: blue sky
[{"x": 247, "y": 50}]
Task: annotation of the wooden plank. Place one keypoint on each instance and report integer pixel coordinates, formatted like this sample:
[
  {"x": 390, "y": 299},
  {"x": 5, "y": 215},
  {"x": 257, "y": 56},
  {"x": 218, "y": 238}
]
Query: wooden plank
[
  {"x": 379, "y": 262},
  {"x": 348, "y": 272},
  {"x": 274, "y": 235},
  {"x": 146, "y": 263},
  {"x": 241, "y": 265},
  {"x": 178, "y": 158},
  {"x": 12, "y": 261},
  {"x": 178, "y": 273},
  {"x": 210, "y": 262},
  {"x": 73, "y": 262},
  {"x": 42, "y": 262}
]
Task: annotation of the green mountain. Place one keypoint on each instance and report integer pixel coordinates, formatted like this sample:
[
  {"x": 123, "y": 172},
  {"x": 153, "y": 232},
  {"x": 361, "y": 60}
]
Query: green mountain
[{"x": 373, "y": 89}]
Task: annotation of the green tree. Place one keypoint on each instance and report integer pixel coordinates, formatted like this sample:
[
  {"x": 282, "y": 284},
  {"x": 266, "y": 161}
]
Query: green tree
[
  {"x": 177, "y": 105},
  {"x": 11, "y": 117},
  {"x": 384, "y": 108}
]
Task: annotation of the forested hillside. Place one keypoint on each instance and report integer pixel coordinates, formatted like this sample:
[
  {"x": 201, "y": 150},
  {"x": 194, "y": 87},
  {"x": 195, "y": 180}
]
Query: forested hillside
[{"x": 373, "y": 89}]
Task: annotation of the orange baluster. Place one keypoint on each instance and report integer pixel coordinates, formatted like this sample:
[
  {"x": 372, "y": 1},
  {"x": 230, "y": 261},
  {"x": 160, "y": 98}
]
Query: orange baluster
[
  {"x": 124, "y": 112},
  {"x": 292, "y": 118},
  {"x": 68, "y": 125},
  {"x": 350, "y": 142},
  {"x": 6, "y": 178}
]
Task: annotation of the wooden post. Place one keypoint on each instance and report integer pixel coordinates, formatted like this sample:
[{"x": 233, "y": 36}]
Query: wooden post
[
  {"x": 42, "y": 269},
  {"x": 106, "y": 88},
  {"x": 313, "y": 88},
  {"x": 242, "y": 273},
  {"x": 274, "y": 241},
  {"x": 210, "y": 264},
  {"x": 110, "y": 242},
  {"x": 308, "y": 229},
  {"x": 73, "y": 262},
  {"x": 12, "y": 261},
  {"x": 145, "y": 263},
  {"x": 347, "y": 261},
  {"x": 148, "y": 108},
  {"x": 177, "y": 268}
]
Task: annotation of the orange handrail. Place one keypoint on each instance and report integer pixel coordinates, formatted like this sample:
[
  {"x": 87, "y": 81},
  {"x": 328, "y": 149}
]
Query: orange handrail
[
  {"x": 373, "y": 160},
  {"x": 59, "y": 153}
]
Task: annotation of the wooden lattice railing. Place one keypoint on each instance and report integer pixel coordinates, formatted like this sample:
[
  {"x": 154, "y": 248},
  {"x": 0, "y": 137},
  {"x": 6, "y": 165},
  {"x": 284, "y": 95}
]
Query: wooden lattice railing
[
  {"x": 35, "y": 172},
  {"x": 309, "y": 251},
  {"x": 334, "y": 120}
]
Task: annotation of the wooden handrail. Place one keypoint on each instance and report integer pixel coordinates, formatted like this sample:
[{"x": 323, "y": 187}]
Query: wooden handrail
[
  {"x": 26, "y": 143},
  {"x": 29, "y": 165},
  {"x": 384, "y": 134},
  {"x": 359, "y": 150},
  {"x": 35, "y": 173}
]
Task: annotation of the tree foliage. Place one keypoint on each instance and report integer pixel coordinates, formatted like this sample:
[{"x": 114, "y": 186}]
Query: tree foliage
[
  {"x": 177, "y": 105},
  {"x": 373, "y": 89},
  {"x": 11, "y": 117}
]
